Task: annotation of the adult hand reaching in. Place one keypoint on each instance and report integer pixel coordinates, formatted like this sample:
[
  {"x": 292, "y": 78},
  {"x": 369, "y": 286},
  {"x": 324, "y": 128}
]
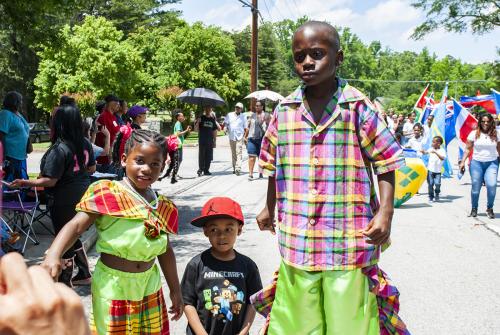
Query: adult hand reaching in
[{"x": 31, "y": 303}]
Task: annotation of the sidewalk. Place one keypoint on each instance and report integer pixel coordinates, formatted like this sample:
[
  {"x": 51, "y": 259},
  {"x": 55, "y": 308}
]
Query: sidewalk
[{"x": 220, "y": 165}]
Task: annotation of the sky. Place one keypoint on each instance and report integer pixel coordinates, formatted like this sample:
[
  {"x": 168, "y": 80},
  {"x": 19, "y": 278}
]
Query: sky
[{"x": 389, "y": 21}]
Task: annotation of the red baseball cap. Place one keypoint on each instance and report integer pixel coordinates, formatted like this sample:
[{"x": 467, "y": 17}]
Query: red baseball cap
[{"x": 219, "y": 207}]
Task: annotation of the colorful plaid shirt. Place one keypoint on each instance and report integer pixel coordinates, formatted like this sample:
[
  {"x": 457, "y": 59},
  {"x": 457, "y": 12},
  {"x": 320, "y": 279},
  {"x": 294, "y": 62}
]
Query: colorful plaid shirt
[{"x": 324, "y": 184}]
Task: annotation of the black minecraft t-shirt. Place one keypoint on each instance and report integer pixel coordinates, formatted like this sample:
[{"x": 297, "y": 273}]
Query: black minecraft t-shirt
[{"x": 220, "y": 291}]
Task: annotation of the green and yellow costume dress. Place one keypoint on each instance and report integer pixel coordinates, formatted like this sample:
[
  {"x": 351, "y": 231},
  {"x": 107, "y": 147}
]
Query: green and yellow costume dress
[{"x": 130, "y": 228}]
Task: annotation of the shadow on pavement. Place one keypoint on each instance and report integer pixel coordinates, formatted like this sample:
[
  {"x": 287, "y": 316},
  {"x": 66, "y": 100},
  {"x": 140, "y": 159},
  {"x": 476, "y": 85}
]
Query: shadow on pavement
[
  {"x": 449, "y": 198},
  {"x": 410, "y": 206},
  {"x": 186, "y": 249}
]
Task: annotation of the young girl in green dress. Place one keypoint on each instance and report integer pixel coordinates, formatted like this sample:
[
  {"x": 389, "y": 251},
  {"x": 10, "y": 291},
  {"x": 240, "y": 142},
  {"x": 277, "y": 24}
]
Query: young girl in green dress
[{"x": 133, "y": 224}]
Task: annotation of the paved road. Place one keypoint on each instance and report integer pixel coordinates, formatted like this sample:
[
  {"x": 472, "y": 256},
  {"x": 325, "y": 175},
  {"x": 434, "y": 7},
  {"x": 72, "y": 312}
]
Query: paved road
[{"x": 446, "y": 265}]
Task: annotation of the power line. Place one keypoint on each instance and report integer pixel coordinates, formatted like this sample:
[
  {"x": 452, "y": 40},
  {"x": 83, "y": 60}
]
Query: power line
[
  {"x": 297, "y": 7},
  {"x": 290, "y": 9},
  {"x": 278, "y": 10},
  {"x": 253, "y": 8},
  {"x": 268, "y": 12},
  {"x": 417, "y": 81}
]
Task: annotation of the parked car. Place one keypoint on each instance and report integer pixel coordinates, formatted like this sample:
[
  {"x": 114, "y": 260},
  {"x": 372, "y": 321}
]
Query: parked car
[{"x": 39, "y": 132}]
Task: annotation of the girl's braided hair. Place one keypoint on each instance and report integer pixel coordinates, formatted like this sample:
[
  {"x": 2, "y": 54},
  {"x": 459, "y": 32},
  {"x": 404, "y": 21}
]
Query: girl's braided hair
[{"x": 143, "y": 136}]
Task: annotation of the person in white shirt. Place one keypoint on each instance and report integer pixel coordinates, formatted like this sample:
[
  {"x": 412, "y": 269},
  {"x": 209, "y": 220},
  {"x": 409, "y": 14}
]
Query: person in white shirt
[
  {"x": 485, "y": 144},
  {"x": 417, "y": 141},
  {"x": 436, "y": 160},
  {"x": 408, "y": 128},
  {"x": 427, "y": 126},
  {"x": 236, "y": 125}
]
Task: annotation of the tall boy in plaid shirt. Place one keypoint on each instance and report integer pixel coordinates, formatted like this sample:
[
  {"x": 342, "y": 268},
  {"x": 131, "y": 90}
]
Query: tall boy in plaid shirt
[{"x": 319, "y": 150}]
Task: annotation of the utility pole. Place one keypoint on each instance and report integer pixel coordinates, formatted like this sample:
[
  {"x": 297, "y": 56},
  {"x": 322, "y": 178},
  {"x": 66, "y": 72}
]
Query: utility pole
[{"x": 255, "y": 41}]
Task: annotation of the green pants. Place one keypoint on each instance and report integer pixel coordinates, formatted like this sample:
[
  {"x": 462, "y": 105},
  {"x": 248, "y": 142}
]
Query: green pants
[{"x": 323, "y": 302}]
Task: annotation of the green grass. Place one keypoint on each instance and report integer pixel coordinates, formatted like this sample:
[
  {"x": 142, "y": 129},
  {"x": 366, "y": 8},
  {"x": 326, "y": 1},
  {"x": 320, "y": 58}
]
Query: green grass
[
  {"x": 193, "y": 137},
  {"x": 41, "y": 146}
]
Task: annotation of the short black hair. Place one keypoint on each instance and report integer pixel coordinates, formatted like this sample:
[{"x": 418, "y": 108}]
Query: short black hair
[
  {"x": 110, "y": 97},
  {"x": 99, "y": 106},
  {"x": 66, "y": 100},
  {"x": 333, "y": 34},
  {"x": 13, "y": 101},
  {"x": 439, "y": 139}
]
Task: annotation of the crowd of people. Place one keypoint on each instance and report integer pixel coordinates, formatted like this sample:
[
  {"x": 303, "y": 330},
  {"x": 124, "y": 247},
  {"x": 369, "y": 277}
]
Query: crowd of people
[{"x": 331, "y": 230}]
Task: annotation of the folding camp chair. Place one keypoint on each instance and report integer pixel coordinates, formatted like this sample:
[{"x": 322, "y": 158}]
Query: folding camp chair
[
  {"x": 19, "y": 215},
  {"x": 43, "y": 211}
]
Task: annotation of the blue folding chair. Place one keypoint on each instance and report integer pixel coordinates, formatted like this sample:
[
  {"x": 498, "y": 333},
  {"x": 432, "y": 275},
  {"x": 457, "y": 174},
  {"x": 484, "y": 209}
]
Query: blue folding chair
[{"x": 19, "y": 215}]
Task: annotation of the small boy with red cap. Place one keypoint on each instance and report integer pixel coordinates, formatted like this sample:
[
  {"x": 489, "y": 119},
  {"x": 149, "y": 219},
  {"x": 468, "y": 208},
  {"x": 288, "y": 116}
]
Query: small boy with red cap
[{"x": 217, "y": 284}]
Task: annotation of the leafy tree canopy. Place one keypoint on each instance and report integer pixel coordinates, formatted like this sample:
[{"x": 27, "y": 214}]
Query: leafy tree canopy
[
  {"x": 93, "y": 57},
  {"x": 480, "y": 16},
  {"x": 199, "y": 56}
]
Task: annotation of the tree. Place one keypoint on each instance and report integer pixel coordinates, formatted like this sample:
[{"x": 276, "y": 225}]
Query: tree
[
  {"x": 271, "y": 67},
  {"x": 243, "y": 45},
  {"x": 26, "y": 27},
  {"x": 199, "y": 56},
  {"x": 284, "y": 32},
  {"x": 480, "y": 16},
  {"x": 130, "y": 15},
  {"x": 92, "y": 58},
  {"x": 147, "y": 41}
]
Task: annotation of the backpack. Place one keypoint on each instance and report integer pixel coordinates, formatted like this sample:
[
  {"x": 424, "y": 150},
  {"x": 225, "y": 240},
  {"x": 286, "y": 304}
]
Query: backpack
[{"x": 172, "y": 143}]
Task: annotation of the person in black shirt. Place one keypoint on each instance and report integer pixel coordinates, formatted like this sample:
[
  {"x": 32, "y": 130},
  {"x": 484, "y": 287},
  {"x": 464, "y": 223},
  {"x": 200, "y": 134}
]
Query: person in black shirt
[
  {"x": 217, "y": 284},
  {"x": 64, "y": 172},
  {"x": 206, "y": 126}
]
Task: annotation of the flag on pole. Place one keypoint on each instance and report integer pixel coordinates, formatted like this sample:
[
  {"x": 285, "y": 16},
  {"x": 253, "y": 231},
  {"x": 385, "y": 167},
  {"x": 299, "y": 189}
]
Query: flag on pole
[
  {"x": 496, "y": 100},
  {"x": 438, "y": 128},
  {"x": 450, "y": 121},
  {"x": 429, "y": 108},
  {"x": 485, "y": 101},
  {"x": 464, "y": 123},
  {"x": 421, "y": 103}
]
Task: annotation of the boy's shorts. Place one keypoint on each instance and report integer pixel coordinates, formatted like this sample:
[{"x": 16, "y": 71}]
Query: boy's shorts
[{"x": 323, "y": 302}]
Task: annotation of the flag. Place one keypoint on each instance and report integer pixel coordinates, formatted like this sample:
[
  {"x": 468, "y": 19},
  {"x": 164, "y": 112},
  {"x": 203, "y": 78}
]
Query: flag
[
  {"x": 449, "y": 126},
  {"x": 429, "y": 107},
  {"x": 465, "y": 123},
  {"x": 438, "y": 128},
  {"x": 484, "y": 101},
  {"x": 496, "y": 100},
  {"x": 421, "y": 103}
]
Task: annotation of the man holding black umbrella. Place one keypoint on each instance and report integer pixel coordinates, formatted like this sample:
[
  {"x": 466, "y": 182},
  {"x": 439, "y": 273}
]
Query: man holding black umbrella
[{"x": 206, "y": 126}]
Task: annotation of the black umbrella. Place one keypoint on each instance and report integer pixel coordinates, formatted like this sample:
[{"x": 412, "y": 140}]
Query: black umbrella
[{"x": 201, "y": 96}]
